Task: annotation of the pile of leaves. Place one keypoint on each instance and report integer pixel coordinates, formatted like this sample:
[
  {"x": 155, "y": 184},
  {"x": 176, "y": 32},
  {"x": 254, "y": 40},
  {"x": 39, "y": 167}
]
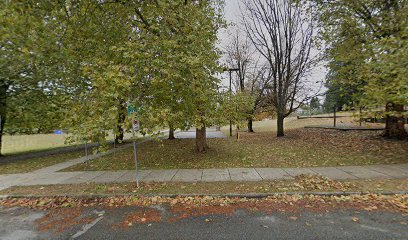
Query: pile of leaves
[
  {"x": 310, "y": 182},
  {"x": 277, "y": 202}
]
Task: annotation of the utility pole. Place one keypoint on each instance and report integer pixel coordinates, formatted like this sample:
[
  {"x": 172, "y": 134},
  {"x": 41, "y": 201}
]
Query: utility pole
[{"x": 230, "y": 91}]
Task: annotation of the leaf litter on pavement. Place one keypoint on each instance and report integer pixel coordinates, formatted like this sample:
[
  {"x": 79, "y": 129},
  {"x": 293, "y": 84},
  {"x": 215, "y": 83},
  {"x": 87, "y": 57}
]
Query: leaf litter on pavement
[{"x": 65, "y": 212}]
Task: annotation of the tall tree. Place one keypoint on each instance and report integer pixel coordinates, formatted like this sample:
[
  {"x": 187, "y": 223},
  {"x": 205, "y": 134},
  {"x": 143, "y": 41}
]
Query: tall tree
[
  {"x": 370, "y": 36},
  {"x": 29, "y": 98},
  {"x": 106, "y": 55},
  {"x": 251, "y": 78},
  {"x": 182, "y": 36},
  {"x": 282, "y": 33}
]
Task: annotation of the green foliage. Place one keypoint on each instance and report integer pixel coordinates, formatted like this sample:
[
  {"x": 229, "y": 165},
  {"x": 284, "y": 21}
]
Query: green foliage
[
  {"x": 243, "y": 104},
  {"x": 235, "y": 107},
  {"x": 314, "y": 103},
  {"x": 180, "y": 88},
  {"x": 82, "y": 62},
  {"x": 367, "y": 47},
  {"x": 388, "y": 72},
  {"x": 30, "y": 100}
]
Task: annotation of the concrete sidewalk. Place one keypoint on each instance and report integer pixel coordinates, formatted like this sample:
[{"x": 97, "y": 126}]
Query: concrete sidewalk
[{"x": 203, "y": 175}]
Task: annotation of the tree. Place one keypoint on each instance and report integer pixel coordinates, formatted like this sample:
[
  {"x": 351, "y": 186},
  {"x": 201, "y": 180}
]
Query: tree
[
  {"x": 314, "y": 103},
  {"x": 339, "y": 93},
  {"x": 98, "y": 57},
  {"x": 282, "y": 33},
  {"x": 29, "y": 100},
  {"x": 182, "y": 81},
  {"x": 370, "y": 36},
  {"x": 251, "y": 78}
]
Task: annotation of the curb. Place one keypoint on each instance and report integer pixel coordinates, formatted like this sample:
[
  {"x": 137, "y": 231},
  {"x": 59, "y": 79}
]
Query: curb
[{"x": 232, "y": 195}]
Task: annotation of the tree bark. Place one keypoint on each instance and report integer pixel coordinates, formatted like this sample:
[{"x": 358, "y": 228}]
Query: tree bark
[
  {"x": 280, "y": 132},
  {"x": 171, "y": 132},
  {"x": 250, "y": 127},
  {"x": 121, "y": 119},
  {"x": 3, "y": 98},
  {"x": 394, "y": 126},
  {"x": 201, "y": 140}
]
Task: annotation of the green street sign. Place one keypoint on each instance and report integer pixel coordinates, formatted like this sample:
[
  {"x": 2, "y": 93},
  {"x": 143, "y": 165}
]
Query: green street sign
[
  {"x": 135, "y": 123},
  {"x": 131, "y": 109}
]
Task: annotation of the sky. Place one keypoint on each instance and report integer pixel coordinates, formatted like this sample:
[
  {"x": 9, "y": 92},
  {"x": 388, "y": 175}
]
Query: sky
[{"x": 233, "y": 15}]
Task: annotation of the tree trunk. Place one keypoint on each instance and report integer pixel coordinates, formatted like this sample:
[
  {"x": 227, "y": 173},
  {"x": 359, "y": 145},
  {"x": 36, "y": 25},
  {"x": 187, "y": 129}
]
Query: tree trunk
[
  {"x": 3, "y": 98},
  {"x": 121, "y": 119},
  {"x": 250, "y": 127},
  {"x": 201, "y": 140},
  {"x": 171, "y": 132},
  {"x": 280, "y": 126},
  {"x": 394, "y": 126}
]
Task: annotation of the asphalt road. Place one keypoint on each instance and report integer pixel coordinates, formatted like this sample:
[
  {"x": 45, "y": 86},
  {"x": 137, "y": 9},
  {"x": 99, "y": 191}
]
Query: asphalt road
[{"x": 116, "y": 223}]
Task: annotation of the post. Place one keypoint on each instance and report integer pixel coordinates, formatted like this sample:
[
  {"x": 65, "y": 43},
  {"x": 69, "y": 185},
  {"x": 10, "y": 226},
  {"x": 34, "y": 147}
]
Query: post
[
  {"x": 135, "y": 157},
  {"x": 360, "y": 117},
  {"x": 86, "y": 152},
  {"x": 334, "y": 123},
  {"x": 230, "y": 90},
  {"x": 1, "y": 133},
  {"x": 236, "y": 110},
  {"x": 114, "y": 142}
]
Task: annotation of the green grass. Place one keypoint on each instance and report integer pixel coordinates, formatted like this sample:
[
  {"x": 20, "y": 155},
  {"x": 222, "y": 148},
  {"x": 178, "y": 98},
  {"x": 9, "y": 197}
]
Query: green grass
[
  {"x": 19, "y": 144},
  {"x": 299, "y": 148},
  {"x": 34, "y": 163},
  {"x": 294, "y": 123},
  {"x": 28, "y": 165},
  {"x": 28, "y": 143}
]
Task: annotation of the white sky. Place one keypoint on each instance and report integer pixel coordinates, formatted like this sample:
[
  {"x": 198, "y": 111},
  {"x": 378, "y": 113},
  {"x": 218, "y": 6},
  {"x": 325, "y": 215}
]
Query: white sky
[{"x": 233, "y": 15}]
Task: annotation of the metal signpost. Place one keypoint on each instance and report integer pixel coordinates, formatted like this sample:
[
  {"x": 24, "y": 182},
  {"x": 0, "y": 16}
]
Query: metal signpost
[
  {"x": 135, "y": 127},
  {"x": 230, "y": 91},
  {"x": 114, "y": 142},
  {"x": 86, "y": 153}
]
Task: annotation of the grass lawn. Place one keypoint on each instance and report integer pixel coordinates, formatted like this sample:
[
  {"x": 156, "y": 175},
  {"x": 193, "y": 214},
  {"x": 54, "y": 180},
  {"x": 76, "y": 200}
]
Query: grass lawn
[
  {"x": 34, "y": 163},
  {"x": 299, "y": 148},
  {"x": 18, "y": 144},
  {"x": 28, "y": 165},
  {"x": 303, "y": 183}
]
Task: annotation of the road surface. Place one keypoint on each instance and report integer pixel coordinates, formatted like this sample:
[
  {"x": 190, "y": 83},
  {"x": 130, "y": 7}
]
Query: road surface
[{"x": 159, "y": 222}]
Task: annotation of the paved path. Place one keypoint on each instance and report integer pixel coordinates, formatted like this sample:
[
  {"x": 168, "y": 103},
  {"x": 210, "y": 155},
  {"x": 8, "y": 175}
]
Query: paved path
[
  {"x": 47, "y": 176},
  {"x": 191, "y": 133}
]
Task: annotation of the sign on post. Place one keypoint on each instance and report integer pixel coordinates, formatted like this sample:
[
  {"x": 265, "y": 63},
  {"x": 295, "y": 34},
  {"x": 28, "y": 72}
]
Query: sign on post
[{"x": 135, "y": 127}]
